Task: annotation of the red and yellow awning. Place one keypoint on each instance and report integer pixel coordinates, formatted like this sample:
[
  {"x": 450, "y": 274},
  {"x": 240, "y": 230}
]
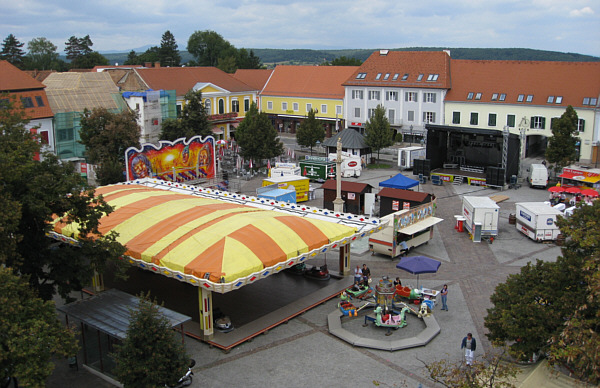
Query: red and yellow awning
[{"x": 209, "y": 241}]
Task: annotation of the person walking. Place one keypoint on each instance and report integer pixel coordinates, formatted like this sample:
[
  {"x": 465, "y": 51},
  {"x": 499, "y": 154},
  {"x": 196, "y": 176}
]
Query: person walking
[
  {"x": 357, "y": 274},
  {"x": 444, "y": 293},
  {"x": 469, "y": 344}
]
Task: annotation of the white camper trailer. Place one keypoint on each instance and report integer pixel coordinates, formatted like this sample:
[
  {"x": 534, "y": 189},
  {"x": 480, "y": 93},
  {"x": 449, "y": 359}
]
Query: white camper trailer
[
  {"x": 537, "y": 220},
  {"x": 481, "y": 216},
  {"x": 407, "y": 156},
  {"x": 351, "y": 164}
]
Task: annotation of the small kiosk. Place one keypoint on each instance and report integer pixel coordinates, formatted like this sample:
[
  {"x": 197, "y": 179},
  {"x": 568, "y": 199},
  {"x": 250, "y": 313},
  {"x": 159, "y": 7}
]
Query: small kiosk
[
  {"x": 353, "y": 194},
  {"x": 392, "y": 200}
]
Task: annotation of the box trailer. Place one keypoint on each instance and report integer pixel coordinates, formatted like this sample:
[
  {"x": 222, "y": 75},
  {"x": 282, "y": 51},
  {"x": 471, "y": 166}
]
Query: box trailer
[
  {"x": 274, "y": 193},
  {"x": 284, "y": 169},
  {"x": 537, "y": 220},
  {"x": 299, "y": 183},
  {"x": 404, "y": 230},
  {"x": 407, "y": 156},
  {"x": 481, "y": 216},
  {"x": 538, "y": 176},
  {"x": 317, "y": 168},
  {"x": 351, "y": 164}
]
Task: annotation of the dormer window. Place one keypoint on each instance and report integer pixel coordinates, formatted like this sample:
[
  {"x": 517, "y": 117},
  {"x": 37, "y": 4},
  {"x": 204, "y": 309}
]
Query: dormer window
[
  {"x": 470, "y": 96},
  {"x": 478, "y": 96},
  {"x": 502, "y": 96},
  {"x": 529, "y": 97},
  {"x": 405, "y": 77},
  {"x": 395, "y": 77},
  {"x": 521, "y": 98},
  {"x": 378, "y": 76},
  {"x": 495, "y": 97},
  {"x": 361, "y": 76},
  {"x": 550, "y": 99},
  {"x": 432, "y": 77},
  {"x": 386, "y": 76},
  {"x": 558, "y": 100},
  {"x": 420, "y": 77}
]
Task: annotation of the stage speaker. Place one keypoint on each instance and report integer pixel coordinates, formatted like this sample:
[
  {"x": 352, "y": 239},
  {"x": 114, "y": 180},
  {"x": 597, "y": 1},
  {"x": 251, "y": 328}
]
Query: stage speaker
[
  {"x": 422, "y": 166},
  {"x": 494, "y": 176}
]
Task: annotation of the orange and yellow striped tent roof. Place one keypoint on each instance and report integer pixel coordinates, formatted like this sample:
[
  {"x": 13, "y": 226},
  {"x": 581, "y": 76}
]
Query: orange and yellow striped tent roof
[{"x": 209, "y": 241}]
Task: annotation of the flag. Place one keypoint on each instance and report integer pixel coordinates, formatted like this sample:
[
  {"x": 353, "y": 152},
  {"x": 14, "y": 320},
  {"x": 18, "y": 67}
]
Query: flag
[
  {"x": 293, "y": 155},
  {"x": 304, "y": 171},
  {"x": 250, "y": 163},
  {"x": 269, "y": 164}
]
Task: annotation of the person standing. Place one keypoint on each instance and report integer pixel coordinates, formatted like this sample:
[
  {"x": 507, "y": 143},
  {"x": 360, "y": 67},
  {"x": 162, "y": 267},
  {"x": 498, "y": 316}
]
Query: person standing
[
  {"x": 357, "y": 274},
  {"x": 469, "y": 344},
  {"x": 444, "y": 293},
  {"x": 366, "y": 274}
]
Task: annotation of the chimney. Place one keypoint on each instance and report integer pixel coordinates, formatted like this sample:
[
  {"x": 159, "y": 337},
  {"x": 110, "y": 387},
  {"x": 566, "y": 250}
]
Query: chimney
[
  {"x": 447, "y": 52},
  {"x": 148, "y": 64},
  {"x": 156, "y": 64}
]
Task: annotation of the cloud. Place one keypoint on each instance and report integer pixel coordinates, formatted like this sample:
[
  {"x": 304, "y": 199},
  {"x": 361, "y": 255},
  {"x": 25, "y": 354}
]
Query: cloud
[{"x": 581, "y": 12}]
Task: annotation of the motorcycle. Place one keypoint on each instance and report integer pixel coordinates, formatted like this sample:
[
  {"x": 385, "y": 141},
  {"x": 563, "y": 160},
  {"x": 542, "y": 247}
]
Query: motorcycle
[{"x": 186, "y": 379}]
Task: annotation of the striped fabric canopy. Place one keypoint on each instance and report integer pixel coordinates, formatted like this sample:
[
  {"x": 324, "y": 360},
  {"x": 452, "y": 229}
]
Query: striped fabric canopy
[{"x": 210, "y": 240}]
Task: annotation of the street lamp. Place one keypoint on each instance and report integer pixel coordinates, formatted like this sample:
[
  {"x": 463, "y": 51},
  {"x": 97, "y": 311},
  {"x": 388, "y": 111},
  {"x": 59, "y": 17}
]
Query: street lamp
[{"x": 411, "y": 134}]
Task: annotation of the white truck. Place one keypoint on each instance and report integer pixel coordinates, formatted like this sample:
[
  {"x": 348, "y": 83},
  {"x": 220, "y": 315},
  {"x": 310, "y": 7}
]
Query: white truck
[
  {"x": 481, "y": 216},
  {"x": 284, "y": 169},
  {"x": 407, "y": 155},
  {"x": 351, "y": 164},
  {"x": 538, "y": 176},
  {"x": 537, "y": 220}
]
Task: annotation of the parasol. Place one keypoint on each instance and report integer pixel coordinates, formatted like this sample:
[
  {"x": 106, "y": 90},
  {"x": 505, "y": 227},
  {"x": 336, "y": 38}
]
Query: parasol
[
  {"x": 221, "y": 142},
  {"x": 418, "y": 265},
  {"x": 573, "y": 190},
  {"x": 556, "y": 189},
  {"x": 589, "y": 192}
]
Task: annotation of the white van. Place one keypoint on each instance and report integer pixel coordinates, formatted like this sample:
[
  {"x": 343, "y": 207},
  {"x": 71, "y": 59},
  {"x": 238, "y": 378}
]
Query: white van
[{"x": 538, "y": 176}]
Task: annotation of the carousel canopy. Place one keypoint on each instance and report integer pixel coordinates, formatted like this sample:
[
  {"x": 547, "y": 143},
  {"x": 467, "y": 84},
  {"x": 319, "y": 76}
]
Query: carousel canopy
[{"x": 216, "y": 239}]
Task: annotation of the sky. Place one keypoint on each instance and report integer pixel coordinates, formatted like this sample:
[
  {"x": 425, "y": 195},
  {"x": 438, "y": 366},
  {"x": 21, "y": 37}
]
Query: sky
[{"x": 555, "y": 25}]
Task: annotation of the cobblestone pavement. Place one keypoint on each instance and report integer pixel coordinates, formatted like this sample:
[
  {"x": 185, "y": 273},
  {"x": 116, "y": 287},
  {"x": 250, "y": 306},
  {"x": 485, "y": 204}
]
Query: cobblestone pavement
[{"x": 303, "y": 353}]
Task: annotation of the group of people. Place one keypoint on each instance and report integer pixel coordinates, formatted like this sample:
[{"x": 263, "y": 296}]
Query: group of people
[{"x": 362, "y": 275}]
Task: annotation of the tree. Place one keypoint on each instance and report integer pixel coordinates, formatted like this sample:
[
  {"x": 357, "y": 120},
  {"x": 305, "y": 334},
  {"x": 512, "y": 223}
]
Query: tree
[
  {"x": 310, "y": 131},
  {"x": 562, "y": 145},
  {"x": 257, "y": 137},
  {"x": 208, "y": 46},
  {"x": 30, "y": 333},
  {"x": 490, "y": 371},
  {"x": 106, "y": 137},
  {"x": 11, "y": 51},
  {"x": 152, "y": 55},
  {"x": 150, "y": 355},
  {"x": 90, "y": 60},
  {"x": 42, "y": 54},
  {"x": 378, "y": 131},
  {"x": 227, "y": 64},
  {"x": 193, "y": 120},
  {"x": 79, "y": 52},
  {"x": 132, "y": 58},
  {"x": 578, "y": 343},
  {"x": 169, "y": 55},
  {"x": 343, "y": 61},
  {"x": 248, "y": 61},
  {"x": 35, "y": 192}
]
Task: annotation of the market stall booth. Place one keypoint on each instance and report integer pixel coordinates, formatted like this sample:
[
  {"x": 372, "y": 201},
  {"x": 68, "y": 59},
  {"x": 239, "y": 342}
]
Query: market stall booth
[
  {"x": 392, "y": 200},
  {"x": 353, "y": 194}
]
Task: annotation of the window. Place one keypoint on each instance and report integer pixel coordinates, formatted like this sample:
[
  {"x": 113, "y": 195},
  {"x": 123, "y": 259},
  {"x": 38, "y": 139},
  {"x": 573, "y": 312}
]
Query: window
[
  {"x": 178, "y": 109},
  {"x": 593, "y": 101},
  {"x": 411, "y": 115},
  {"x": 27, "y": 102},
  {"x": 455, "y": 117},
  {"x": 357, "y": 112},
  {"x": 374, "y": 95},
  {"x": 495, "y": 97},
  {"x": 391, "y": 96},
  {"x": 395, "y": 77},
  {"x": 538, "y": 122},
  {"x": 391, "y": 116},
  {"x": 520, "y": 98},
  {"x": 405, "y": 77},
  {"x": 492, "y": 120},
  {"x": 39, "y": 100},
  {"x": 420, "y": 78},
  {"x": 478, "y": 96},
  {"x": 338, "y": 110},
  {"x": 357, "y": 94},
  {"x": 410, "y": 96},
  {"x": 502, "y": 97},
  {"x": 361, "y": 76},
  {"x": 137, "y": 107},
  {"x": 284, "y": 106},
  {"x": 296, "y": 106},
  {"x": 4, "y": 102},
  {"x": 550, "y": 99},
  {"x": 428, "y": 97},
  {"x": 221, "y": 106},
  {"x": 378, "y": 76},
  {"x": 44, "y": 137},
  {"x": 269, "y": 105},
  {"x": 474, "y": 118},
  {"x": 470, "y": 96},
  {"x": 370, "y": 113},
  {"x": 246, "y": 104},
  {"x": 308, "y": 107},
  {"x": 510, "y": 121},
  {"x": 65, "y": 134},
  {"x": 553, "y": 121},
  {"x": 324, "y": 109},
  {"x": 386, "y": 76},
  {"x": 432, "y": 77},
  {"x": 580, "y": 125},
  {"x": 559, "y": 99},
  {"x": 529, "y": 97},
  {"x": 235, "y": 106},
  {"x": 429, "y": 117},
  {"x": 207, "y": 106}
]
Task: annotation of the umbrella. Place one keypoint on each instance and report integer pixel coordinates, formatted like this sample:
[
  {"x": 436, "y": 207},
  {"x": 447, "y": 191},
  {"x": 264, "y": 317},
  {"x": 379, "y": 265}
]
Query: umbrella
[
  {"x": 556, "y": 189},
  {"x": 418, "y": 265},
  {"x": 573, "y": 190},
  {"x": 221, "y": 142},
  {"x": 589, "y": 192}
]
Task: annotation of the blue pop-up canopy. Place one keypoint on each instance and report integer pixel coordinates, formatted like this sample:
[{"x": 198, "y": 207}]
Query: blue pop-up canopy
[{"x": 399, "y": 182}]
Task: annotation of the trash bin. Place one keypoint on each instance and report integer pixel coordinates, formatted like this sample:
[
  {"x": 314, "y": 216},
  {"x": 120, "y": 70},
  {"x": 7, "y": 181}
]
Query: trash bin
[
  {"x": 512, "y": 219},
  {"x": 461, "y": 225}
]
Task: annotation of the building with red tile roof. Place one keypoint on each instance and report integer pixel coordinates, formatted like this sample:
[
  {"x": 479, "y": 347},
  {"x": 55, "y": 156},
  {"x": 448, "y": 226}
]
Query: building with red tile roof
[
  {"x": 292, "y": 91},
  {"x": 256, "y": 78},
  {"x": 410, "y": 85},
  {"x": 524, "y": 97},
  {"x": 30, "y": 94}
]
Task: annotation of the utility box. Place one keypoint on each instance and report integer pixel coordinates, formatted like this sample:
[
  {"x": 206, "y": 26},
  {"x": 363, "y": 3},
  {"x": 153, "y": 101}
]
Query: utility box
[
  {"x": 537, "y": 220},
  {"x": 538, "y": 176},
  {"x": 407, "y": 156},
  {"x": 481, "y": 210},
  {"x": 295, "y": 182}
]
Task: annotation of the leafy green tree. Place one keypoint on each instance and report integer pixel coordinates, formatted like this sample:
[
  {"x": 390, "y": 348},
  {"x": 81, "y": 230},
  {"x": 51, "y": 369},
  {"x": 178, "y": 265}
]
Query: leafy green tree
[
  {"x": 12, "y": 51},
  {"x": 193, "y": 120},
  {"x": 208, "y": 46},
  {"x": 343, "y": 61},
  {"x": 42, "y": 54},
  {"x": 257, "y": 137},
  {"x": 578, "y": 343},
  {"x": 378, "y": 133},
  {"x": 152, "y": 55},
  {"x": 169, "y": 55},
  {"x": 106, "y": 136},
  {"x": 150, "y": 355},
  {"x": 31, "y": 333},
  {"x": 310, "y": 131},
  {"x": 562, "y": 145},
  {"x": 248, "y": 61},
  {"x": 90, "y": 60},
  {"x": 79, "y": 52},
  {"x": 132, "y": 58}
]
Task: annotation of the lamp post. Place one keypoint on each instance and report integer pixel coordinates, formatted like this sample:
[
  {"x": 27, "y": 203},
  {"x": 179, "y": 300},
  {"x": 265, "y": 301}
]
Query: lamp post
[{"x": 411, "y": 134}]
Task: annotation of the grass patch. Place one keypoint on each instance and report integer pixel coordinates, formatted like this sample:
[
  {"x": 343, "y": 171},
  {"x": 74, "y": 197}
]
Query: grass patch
[{"x": 376, "y": 166}]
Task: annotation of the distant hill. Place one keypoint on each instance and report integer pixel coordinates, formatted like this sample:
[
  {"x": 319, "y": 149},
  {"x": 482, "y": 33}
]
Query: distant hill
[{"x": 272, "y": 57}]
